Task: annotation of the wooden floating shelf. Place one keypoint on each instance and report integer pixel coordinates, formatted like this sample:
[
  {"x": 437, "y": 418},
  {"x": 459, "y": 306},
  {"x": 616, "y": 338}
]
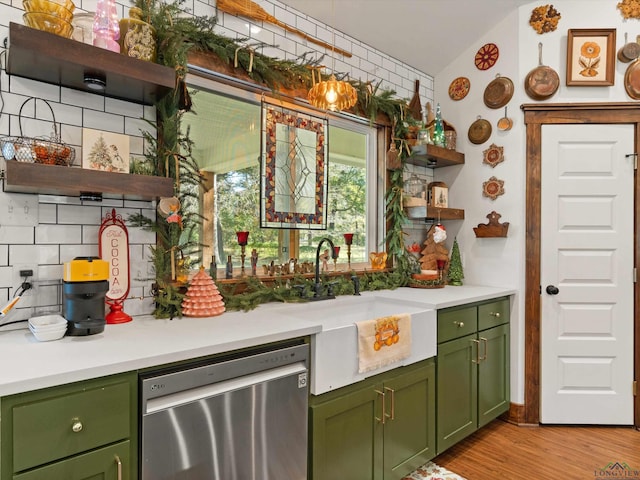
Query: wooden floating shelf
[
  {"x": 61, "y": 61},
  {"x": 492, "y": 229},
  {"x": 435, "y": 213},
  {"x": 58, "y": 180},
  {"x": 434, "y": 157}
]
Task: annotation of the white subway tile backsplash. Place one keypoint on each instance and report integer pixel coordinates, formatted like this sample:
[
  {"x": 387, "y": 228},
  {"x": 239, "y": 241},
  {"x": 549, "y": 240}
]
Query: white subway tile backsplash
[
  {"x": 57, "y": 199},
  {"x": 61, "y": 234},
  {"x": 54, "y": 272},
  {"x": 40, "y": 254},
  {"x": 16, "y": 235},
  {"x": 82, "y": 99},
  {"x": 90, "y": 234},
  {"x": 47, "y": 213},
  {"x": 69, "y": 252},
  {"x": 138, "y": 235},
  {"x": 103, "y": 121},
  {"x": 4, "y": 255},
  {"x": 79, "y": 215},
  {"x": 126, "y": 109},
  {"x": 33, "y": 88}
]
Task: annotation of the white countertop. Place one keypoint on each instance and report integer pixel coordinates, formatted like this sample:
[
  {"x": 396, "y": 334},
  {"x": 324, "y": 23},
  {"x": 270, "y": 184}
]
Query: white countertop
[{"x": 26, "y": 364}]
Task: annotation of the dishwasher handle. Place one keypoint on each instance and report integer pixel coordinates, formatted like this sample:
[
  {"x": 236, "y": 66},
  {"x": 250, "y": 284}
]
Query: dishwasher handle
[{"x": 194, "y": 394}]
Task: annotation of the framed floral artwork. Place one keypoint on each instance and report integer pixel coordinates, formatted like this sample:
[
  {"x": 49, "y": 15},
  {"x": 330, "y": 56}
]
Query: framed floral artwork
[{"x": 591, "y": 57}]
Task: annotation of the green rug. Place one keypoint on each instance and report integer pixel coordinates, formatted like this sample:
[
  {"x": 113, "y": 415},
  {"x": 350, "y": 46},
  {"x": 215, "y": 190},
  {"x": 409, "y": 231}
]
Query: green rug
[{"x": 431, "y": 471}]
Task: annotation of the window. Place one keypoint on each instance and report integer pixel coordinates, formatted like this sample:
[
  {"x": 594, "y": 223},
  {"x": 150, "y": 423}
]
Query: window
[{"x": 224, "y": 126}]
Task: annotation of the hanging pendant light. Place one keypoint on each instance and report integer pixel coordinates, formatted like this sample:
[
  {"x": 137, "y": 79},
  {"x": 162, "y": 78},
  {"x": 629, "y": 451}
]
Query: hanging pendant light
[{"x": 332, "y": 94}]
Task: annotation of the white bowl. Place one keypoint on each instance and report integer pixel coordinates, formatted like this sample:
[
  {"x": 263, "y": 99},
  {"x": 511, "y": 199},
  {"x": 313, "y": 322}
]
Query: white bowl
[
  {"x": 48, "y": 336},
  {"x": 45, "y": 321},
  {"x": 53, "y": 328}
]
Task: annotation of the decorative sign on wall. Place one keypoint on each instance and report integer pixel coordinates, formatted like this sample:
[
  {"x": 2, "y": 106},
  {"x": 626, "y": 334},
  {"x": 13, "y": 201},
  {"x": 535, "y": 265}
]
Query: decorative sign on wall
[{"x": 113, "y": 245}]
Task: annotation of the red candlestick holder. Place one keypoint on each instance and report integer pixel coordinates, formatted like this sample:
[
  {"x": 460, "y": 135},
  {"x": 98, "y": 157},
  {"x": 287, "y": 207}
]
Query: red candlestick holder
[
  {"x": 243, "y": 239},
  {"x": 440, "y": 263},
  {"x": 336, "y": 253}
]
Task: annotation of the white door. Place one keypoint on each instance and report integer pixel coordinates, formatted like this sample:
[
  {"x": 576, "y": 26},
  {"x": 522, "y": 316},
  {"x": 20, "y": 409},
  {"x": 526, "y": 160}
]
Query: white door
[{"x": 587, "y": 255}]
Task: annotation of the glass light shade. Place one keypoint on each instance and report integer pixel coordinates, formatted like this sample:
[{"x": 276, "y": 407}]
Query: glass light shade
[
  {"x": 243, "y": 237},
  {"x": 332, "y": 95}
]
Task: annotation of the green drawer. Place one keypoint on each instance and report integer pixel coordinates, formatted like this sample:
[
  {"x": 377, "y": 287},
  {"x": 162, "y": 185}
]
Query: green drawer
[
  {"x": 101, "y": 463},
  {"x": 43, "y": 431},
  {"x": 493, "y": 314},
  {"x": 456, "y": 322}
]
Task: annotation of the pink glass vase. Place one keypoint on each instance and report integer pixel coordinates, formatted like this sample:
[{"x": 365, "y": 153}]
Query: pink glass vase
[{"x": 106, "y": 28}]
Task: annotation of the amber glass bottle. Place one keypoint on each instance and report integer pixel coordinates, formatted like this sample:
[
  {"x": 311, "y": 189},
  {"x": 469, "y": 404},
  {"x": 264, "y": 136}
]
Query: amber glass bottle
[{"x": 137, "y": 37}]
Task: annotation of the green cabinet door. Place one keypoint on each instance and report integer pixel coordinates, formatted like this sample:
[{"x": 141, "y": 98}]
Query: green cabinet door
[
  {"x": 108, "y": 463},
  {"x": 346, "y": 437},
  {"x": 493, "y": 374},
  {"x": 457, "y": 385},
  {"x": 410, "y": 428},
  {"x": 349, "y": 439}
]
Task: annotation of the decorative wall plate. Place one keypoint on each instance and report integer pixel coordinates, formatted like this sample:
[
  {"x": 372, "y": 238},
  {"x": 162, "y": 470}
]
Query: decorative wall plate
[
  {"x": 493, "y": 155},
  {"x": 493, "y": 188},
  {"x": 459, "y": 88},
  {"x": 487, "y": 56},
  {"x": 544, "y": 19}
]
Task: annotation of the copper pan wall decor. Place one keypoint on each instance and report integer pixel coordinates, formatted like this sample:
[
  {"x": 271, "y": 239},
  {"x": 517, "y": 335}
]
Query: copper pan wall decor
[
  {"x": 498, "y": 92},
  {"x": 632, "y": 80},
  {"x": 479, "y": 131},
  {"x": 542, "y": 82}
]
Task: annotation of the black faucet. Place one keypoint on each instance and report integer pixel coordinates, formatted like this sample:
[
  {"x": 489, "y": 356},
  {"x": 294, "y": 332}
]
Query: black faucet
[{"x": 317, "y": 287}]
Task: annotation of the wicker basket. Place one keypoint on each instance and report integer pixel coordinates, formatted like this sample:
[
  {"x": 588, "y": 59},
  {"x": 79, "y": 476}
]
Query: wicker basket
[{"x": 46, "y": 150}]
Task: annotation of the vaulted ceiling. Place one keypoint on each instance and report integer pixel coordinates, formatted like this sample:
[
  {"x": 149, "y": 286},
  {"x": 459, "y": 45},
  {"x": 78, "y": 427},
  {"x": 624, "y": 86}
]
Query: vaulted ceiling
[{"x": 426, "y": 34}]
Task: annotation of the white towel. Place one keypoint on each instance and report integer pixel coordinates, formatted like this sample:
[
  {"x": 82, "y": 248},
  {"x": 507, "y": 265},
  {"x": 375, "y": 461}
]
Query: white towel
[{"x": 383, "y": 340}]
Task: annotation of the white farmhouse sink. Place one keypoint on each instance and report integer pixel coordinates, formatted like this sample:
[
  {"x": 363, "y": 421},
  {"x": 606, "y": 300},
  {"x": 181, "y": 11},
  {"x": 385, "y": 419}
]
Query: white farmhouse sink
[{"x": 334, "y": 351}]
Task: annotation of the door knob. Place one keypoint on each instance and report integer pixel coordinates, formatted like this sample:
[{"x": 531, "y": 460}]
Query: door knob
[{"x": 552, "y": 290}]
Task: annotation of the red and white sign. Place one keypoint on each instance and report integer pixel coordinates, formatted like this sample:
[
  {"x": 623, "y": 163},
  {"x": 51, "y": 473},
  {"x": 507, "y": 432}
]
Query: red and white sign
[{"x": 114, "y": 248}]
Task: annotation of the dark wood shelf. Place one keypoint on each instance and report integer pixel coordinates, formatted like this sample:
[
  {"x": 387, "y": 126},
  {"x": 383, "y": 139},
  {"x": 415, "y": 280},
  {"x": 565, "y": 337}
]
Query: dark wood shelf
[
  {"x": 434, "y": 157},
  {"x": 56, "y": 180},
  {"x": 434, "y": 213},
  {"x": 49, "y": 58}
]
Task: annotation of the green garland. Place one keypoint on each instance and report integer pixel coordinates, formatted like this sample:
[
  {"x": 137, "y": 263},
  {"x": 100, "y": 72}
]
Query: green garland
[{"x": 179, "y": 34}]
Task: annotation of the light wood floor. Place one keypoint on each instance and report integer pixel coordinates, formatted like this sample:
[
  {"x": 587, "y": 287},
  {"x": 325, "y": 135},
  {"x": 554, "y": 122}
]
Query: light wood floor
[{"x": 503, "y": 451}]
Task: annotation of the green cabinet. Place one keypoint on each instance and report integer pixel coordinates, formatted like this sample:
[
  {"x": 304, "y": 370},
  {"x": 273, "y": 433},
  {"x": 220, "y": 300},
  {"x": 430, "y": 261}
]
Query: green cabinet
[
  {"x": 380, "y": 428},
  {"x": 77, "y": 431},
  {"x": 472, "y": 368}
]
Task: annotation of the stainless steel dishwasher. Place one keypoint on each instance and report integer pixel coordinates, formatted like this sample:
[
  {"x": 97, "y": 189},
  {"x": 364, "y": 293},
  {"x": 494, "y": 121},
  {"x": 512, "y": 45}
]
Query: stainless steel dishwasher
[{"x": 241, "y": 418}]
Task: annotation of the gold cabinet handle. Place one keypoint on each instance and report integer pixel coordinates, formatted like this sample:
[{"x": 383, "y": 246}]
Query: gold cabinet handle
[
  {"x": 119, "y": 465},
  {"x": 76, "y": 426},
  {"x": 393, "y": 403},
  {"x": 486, "y": 348},
  {"x": 382, "y": 417},
  {"x": 477, "y": 359},
  {"x": 495, "y": 314},
  {"x": 459, "y": 324}
]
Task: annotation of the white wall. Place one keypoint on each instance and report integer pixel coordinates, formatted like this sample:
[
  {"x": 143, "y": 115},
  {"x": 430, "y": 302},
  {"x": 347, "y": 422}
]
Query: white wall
[
  {"x": 501, "y": 261},
  {"x": 60, "y": 228}
]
